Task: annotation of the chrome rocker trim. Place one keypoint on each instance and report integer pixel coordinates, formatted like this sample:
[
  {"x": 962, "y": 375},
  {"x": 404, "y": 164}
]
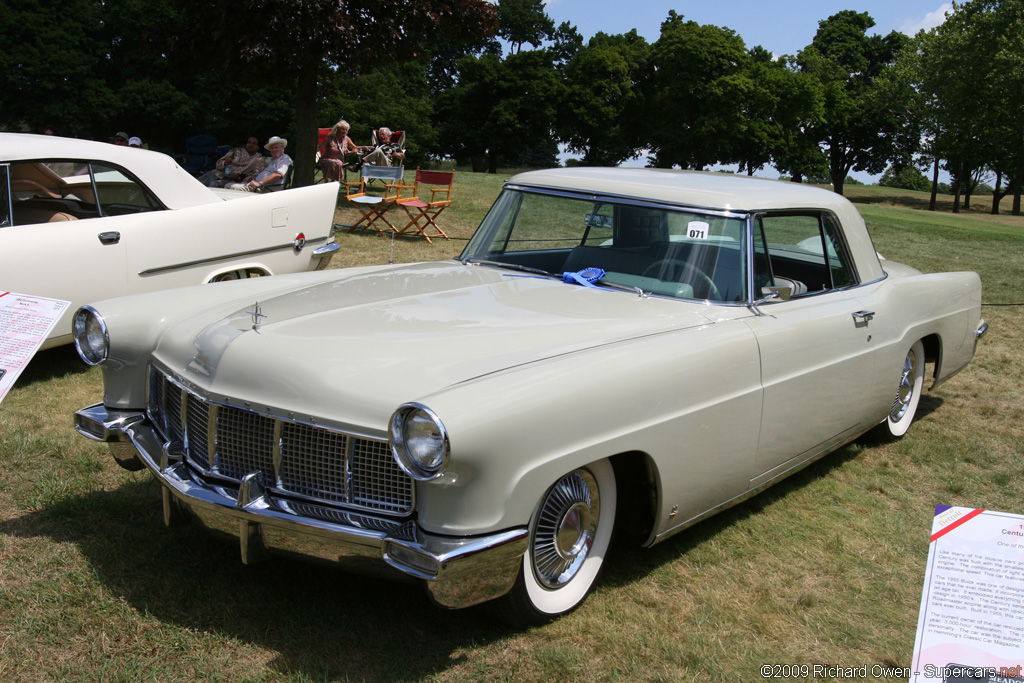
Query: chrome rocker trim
[{"x": 457, "y": 571}]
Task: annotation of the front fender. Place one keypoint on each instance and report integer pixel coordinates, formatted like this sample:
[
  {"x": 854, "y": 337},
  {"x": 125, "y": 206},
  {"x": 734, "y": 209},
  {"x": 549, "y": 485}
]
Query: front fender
[{"x": 689, "y": 399}]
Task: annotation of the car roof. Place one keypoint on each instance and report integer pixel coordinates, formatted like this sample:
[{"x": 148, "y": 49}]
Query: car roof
[
  {"x": 175, "y": 187},
  {"x": 692, "y": 188},
  {"x": 717, "y": 191}
]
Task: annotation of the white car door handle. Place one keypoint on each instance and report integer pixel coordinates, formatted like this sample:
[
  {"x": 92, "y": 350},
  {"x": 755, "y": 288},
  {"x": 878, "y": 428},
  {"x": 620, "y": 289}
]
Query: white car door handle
[
  {"x": 863, "y": 315},
  {"x": 109, "y": 237}
]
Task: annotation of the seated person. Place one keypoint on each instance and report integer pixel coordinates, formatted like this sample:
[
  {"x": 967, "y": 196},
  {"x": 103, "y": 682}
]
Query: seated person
[
  {"x": 333, "y": 150},
  {"x": 239, "y": 163},
  {"x": 273, "y": 173},
  {"x": 383, "y": 152}
]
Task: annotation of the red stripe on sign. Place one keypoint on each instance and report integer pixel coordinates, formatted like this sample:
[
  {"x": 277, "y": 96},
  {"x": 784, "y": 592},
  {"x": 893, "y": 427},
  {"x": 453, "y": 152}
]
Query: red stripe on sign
[
  {"x": 4, "y": 294},
  {"x": 945, "y": 530}
]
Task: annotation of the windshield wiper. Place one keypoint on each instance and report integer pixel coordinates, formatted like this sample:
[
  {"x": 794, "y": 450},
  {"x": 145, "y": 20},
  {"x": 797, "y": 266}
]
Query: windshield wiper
[{"x": 511, "y": 266}]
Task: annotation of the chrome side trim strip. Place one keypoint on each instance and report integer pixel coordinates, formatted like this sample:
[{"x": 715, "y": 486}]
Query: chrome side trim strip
[{"x": 251, "y": 252}]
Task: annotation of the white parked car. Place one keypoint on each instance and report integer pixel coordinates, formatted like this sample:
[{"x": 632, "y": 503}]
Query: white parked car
[
  {"x": 614, "y": 347},
  {"x": 83, "y": 220}
]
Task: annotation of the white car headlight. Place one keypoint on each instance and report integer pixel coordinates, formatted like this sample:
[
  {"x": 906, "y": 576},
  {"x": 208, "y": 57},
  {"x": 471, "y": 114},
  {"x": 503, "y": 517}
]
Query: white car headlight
[
  {"x": 419, "y": 442},
  {"x": 90, "y": 332}
]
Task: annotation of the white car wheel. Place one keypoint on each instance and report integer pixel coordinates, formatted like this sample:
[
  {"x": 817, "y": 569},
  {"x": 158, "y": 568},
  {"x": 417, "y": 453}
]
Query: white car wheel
[
  {"x": 908, "y": 392},
  {"x": 569, "y": 535}
]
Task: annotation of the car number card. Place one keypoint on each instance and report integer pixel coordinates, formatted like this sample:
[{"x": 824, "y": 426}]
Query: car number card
[
  {"x": 25, "y": 323},
  {"x": 970, "y": 626}
]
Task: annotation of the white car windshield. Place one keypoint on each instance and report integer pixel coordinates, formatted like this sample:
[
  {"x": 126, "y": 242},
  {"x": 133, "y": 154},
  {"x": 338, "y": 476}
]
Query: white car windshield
[{"x": 661, "y": 250}]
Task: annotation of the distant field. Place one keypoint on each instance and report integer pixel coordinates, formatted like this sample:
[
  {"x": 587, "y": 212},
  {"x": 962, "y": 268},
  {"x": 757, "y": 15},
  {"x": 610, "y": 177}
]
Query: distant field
[{"x": 824, "y": 568}]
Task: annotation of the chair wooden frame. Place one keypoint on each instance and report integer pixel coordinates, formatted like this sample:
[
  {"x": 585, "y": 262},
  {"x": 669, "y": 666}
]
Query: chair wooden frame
[
  {"x": 422, "y": 213},
  {"x": 373, "y": 207}
]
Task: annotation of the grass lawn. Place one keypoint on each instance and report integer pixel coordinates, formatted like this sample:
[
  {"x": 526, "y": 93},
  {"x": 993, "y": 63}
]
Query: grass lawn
[{"x": 824, "y": 568}]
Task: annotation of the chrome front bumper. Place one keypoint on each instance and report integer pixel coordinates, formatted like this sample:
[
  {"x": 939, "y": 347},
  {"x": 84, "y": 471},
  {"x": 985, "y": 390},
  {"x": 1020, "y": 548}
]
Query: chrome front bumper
[{"x": 458, "y": 571}]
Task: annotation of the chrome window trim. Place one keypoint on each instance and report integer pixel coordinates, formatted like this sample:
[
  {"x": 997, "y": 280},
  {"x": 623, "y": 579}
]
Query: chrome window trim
[{"x": 5, "y": 168}]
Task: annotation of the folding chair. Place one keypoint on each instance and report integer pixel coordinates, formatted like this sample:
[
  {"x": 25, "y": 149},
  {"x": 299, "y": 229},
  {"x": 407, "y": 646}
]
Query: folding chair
[
  {"x": 321, "y": 134},
  {"x": 373, "y": 207},
  {"x": 421, "y": 213}
]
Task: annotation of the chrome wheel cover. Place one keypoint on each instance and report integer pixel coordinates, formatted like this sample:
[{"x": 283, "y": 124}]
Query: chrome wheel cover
[
  {"x": 905, "y": 390},
  {"x": 566, "y": 524}
]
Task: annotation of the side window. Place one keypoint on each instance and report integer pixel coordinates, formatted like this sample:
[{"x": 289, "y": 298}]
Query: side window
[
  {"x": 119, "y": 194},
  {"x": 66, "y": 190},
  {"x": 805, "y": 252}
]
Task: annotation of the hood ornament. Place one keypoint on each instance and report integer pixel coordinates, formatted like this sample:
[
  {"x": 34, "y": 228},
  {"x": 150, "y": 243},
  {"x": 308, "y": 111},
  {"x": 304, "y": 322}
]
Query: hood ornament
[{"x": 256, "y": 314}]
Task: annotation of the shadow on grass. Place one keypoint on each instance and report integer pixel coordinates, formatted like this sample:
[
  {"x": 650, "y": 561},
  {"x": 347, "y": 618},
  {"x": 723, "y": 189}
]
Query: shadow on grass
[
  {"x": 323, "y": 623},
  {"x": 52, "y": 364},
  {"x": 626, "y": 562}
]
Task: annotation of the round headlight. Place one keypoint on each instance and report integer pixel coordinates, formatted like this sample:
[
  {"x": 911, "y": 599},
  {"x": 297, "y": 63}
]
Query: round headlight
[
  {"x": 419, "y": 442},
  {"x": 91, "y": 339}
]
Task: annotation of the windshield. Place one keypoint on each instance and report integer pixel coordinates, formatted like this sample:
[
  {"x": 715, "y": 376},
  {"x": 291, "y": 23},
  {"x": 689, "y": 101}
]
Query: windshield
[{"x": 663, "y": 251}]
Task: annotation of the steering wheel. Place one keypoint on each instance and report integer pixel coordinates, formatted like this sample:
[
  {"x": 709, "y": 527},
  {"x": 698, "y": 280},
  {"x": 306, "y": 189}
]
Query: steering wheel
[{"x": 682, "y": 271}]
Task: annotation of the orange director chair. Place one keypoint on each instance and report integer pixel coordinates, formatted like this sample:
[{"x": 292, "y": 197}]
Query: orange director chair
[
  {"x": 373, "y": 207},
  {"x": 422, "y": 213}
]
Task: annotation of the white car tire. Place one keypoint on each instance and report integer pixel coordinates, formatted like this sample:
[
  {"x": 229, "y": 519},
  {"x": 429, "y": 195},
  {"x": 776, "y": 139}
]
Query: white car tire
[
  {"x": 908, "y": 392},
  {"x": 570, "y": 533}
]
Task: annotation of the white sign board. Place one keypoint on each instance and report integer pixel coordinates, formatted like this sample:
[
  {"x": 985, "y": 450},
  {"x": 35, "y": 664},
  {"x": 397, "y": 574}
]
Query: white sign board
[
  {"x": 25, "y": 323},
  {"x": 971, "y": 626}
]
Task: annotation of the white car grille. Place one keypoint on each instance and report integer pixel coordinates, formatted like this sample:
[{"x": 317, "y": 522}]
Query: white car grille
[{"x": 297, "y": 459}]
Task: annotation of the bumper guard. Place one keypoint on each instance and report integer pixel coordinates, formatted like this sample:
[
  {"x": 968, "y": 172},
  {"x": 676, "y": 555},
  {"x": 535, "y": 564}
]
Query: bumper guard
[{"x": 458, "y": 571}]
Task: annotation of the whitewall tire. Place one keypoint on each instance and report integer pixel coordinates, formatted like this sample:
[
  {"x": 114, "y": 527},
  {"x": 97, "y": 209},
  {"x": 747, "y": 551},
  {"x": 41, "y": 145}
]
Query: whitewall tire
[
  {"x": 908, "y": 392},
  {"x": 570, "y": 532}
]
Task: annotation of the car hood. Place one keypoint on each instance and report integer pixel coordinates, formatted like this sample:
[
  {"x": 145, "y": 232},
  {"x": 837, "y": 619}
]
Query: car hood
[{"x": 352, "y": 349}]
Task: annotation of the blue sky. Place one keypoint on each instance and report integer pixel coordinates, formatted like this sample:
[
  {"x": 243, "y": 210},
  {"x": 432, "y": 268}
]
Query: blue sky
[{"x": 782, "y": 26}]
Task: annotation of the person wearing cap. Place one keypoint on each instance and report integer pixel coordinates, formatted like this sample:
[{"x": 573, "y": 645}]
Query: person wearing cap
[
  {"x": 135, "y": 141},
  {"x": 239, "y": 163},
  {"x": 121, "y": 139}
]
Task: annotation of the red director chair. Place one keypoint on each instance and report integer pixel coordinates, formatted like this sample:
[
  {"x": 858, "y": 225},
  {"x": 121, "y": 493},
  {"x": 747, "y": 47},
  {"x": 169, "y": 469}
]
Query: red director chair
[{"x": 422, "y": 213}]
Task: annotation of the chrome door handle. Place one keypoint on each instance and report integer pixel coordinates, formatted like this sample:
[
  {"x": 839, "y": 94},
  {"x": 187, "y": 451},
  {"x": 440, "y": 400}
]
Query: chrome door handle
[{"x": 863, "y": 315}]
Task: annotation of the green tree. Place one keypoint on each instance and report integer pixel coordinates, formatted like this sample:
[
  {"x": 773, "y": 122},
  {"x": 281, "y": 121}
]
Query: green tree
[
  {"x": 524, "y": 21},
  {"x": 862, "y": 128},
  {"x": 697, "y": 78},
  {"x": 600, "y": 117},
  {"x": 784, "y": 103},
  {"x": 905, "y": 177},
  {"x": 297, "y": 45},
  {"x": 501, "y": 110},
  {"x": 971, "y": 76},
  {"x": 52, "y": 67}
]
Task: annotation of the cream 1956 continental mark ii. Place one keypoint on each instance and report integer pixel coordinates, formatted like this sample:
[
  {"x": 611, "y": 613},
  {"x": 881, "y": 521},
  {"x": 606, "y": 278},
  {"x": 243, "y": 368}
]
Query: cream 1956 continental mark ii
[{"x": 614, "y": 347}]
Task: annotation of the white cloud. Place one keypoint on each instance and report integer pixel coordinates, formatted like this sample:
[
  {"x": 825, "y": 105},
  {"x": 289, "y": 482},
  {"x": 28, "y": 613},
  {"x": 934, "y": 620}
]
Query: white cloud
[{"x": 911, "y": 26}]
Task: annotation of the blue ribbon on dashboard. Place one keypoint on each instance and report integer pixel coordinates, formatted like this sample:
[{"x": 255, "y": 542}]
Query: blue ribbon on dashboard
[{"x": 586, "y": 277}]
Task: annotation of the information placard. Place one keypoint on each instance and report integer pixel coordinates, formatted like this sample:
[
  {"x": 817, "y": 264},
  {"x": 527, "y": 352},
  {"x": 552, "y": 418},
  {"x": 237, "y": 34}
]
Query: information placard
[
  {"x": 971, "y": 625},
  {"x": 25, "y": 323}
]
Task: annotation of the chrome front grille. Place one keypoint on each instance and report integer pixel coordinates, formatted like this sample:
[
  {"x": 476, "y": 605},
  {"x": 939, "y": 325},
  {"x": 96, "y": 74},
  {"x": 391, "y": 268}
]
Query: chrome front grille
[{"x": 295, "y": 459}]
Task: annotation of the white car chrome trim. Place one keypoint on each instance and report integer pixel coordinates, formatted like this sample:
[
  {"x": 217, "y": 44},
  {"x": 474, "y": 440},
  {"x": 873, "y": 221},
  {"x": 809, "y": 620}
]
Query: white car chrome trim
[{"x": 288, "y": 245}]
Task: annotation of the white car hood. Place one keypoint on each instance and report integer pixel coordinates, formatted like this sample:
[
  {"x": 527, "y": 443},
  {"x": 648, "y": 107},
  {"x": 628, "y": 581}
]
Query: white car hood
[{"x": 353, "y": 349}]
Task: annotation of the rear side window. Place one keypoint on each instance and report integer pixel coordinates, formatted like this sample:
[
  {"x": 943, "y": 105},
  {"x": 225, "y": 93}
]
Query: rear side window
[{"x": 805, "y": 251}]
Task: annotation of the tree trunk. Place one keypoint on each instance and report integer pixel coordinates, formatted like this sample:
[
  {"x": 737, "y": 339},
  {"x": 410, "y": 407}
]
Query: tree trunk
[
  {"x": 303, "y": 152},
  {"x": 958, "y": 181},
  {"x": 997, "y": 194},
  {"x": 935, "y": 185},
  {"x": 1019, "y": 177}
]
